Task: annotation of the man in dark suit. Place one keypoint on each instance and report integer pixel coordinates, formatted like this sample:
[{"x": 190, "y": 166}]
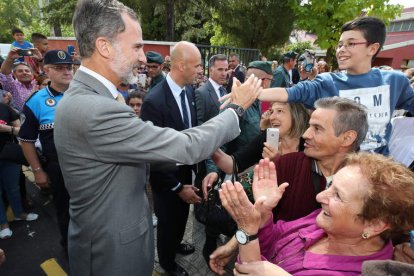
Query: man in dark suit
[
  {"x": 235, "y": 70},
  {"x": 171, "y": 104}
]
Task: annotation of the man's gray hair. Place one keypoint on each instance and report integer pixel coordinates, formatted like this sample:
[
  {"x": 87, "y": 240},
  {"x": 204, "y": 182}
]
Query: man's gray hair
[
  {"x": 351, "y": 116},
  {"x": 98, "y": 18}
]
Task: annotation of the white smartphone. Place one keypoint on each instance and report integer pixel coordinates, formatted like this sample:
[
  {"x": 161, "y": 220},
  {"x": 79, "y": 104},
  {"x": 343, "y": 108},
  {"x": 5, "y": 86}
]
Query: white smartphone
[
  {"x": 142, "y": 79},
  {"x": 272, "y": 137}
]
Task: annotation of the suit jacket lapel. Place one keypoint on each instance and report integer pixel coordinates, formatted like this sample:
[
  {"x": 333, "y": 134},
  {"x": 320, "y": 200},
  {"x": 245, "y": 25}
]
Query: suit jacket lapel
[{"x": 213, "y": 95}]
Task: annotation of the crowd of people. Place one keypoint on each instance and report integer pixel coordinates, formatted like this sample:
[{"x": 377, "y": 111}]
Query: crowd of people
[{"x": 110, "y": 126}]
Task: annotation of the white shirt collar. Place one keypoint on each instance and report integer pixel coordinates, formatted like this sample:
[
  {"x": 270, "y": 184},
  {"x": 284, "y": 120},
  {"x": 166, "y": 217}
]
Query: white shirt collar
[
  {"x": 175, "y": 88},
  {"x": 216, "y": 86},
  {"x": 107, "y": 83}
]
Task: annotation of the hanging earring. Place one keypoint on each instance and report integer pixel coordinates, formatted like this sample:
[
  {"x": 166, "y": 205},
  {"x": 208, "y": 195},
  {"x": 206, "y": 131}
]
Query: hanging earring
[{"x": 365, "y": 235}]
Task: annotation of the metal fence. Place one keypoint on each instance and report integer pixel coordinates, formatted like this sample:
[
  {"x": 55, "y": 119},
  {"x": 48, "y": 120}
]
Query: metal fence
[{"x": 246, "y": 55}]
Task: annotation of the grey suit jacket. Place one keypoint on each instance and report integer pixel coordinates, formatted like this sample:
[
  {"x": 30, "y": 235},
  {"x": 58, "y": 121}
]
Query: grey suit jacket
[
  {"x": 207, "y": 103},
  {"x": 103, "y": 149}
]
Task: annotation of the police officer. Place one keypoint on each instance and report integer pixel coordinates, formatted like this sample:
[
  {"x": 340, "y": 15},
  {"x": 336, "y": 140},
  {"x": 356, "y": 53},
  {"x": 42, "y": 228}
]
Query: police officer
[{"x": 39, "y": 110}]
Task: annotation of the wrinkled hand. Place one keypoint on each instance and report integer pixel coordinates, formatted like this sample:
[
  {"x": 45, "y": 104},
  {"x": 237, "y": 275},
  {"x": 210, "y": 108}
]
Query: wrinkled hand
[
  {"x": 404, "y": 253},
  {"x": 243, "y": 94},
  {"x": 208, "y": 182},
  {"x": 188, "y": 194},
  {"x": 269, "y": 151},
  {"x": 41, "y": 179},
  {"x": 234, "y": 199},
  {"x": 221, "y": 257},
  {"x": 266, "y": 191},
  {"x": 259, "y": 268}
]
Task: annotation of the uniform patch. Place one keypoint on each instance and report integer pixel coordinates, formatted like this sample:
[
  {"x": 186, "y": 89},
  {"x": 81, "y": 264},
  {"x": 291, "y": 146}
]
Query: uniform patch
[
  {"x": 61, "y": 54},
  {"x": 50, "y": 102}
]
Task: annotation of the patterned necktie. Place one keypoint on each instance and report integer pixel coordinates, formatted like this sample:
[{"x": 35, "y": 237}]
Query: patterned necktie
[
  {"x": 184, "y": 108},
  {"x": 222, "y": 91},
  {"x": 120, "y": 98}
]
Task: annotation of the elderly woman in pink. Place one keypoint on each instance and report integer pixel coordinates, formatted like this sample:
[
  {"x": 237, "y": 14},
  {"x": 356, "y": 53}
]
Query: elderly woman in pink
[{"x": 370, "y": 201}]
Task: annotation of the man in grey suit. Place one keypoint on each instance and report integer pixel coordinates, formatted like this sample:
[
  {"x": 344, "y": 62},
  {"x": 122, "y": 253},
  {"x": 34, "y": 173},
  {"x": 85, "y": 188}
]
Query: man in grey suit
[
  {"x": 207, "y": 95},
  {"x": 103, "y": 148}
]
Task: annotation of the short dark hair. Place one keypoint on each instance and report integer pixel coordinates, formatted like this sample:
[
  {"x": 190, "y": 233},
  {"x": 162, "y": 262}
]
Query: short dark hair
[
  {"x": 214, "y": 58},
  {"x": 136, "y": 94},
  {"x": 16, "y": 31},
  {"x": 372, "y": 28},
  {"x": 36, "y": 37}
]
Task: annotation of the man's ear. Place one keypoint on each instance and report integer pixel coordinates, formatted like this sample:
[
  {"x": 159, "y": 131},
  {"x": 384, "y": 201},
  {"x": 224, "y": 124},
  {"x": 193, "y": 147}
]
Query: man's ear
[
  {"x": 349, "y": 137},
  {"x": 103, "y": 47}
]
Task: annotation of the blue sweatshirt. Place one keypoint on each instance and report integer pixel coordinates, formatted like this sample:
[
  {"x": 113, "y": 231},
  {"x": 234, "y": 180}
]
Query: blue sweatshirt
[{"x": 380, "y": 91}]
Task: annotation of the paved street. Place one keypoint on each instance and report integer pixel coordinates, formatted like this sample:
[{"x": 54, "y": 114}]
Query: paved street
[{"x": 36, "y": 242}]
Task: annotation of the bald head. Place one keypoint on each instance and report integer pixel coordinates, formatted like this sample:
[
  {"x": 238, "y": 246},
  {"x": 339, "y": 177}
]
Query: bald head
[
  {"x": 182, "y": 51},
  {"x": 185, "y": 63}
]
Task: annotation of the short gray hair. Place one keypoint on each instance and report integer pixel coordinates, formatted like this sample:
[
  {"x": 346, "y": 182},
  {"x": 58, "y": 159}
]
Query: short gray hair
[
  {"x": 98, "y": 18},
  {"x": 351, "y": 116}
]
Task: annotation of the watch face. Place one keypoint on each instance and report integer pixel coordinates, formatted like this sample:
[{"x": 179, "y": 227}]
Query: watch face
[{"x": 241, "y": 236}]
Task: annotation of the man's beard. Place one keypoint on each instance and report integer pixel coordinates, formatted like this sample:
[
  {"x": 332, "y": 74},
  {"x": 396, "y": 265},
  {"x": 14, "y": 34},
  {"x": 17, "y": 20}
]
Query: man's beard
[{"x": 122, "y": 67}]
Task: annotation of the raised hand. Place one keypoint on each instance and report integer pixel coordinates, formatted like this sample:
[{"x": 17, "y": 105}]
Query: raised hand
[
  {"x": 266, "y": 191},
  {"x": 243, "y": 94},
  {"x": 236, "y": 202}
]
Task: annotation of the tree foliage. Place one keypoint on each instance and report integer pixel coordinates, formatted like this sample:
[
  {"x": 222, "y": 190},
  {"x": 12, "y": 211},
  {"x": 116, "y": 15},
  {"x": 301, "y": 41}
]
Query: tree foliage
[
  {"x": 189, "y": 18},
  {"x": 16, "y": 13},
  {"x": 326, "y": 17},
  {"x": 254, "y": 23}
]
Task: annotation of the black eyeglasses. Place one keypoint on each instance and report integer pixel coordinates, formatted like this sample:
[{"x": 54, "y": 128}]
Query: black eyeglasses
[{"x": 61, "y": 68}]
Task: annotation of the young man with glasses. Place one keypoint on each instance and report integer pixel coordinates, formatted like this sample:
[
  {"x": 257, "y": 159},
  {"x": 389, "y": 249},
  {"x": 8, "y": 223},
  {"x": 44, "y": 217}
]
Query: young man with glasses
[
  {"x": 39, "y": 110},
  {"x": 380, "y": 91}
]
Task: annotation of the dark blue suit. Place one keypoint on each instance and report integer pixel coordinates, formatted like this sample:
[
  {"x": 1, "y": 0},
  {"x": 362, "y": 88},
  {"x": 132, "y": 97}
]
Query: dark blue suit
[{"x": 160, "y": 107}]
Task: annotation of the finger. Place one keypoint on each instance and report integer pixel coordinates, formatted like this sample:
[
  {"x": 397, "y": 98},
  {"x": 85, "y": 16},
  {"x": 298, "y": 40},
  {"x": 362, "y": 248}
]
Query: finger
[
  {"x": 255, "y": 174},
  {"x": 272, "y": 171},
  {"x": 283, "y": 186},
  {"x": 266, "y": 169},
  {"x": 225, "y": 97},
  {"x": 204, "y": 188},
  {"x": 261, "y": 169},
  {"x": 236, "y": 82},
  {"x": 225, "y": 103},
  {"x": 195, "y": 188},
  {"x": 241, "y": 195}
]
